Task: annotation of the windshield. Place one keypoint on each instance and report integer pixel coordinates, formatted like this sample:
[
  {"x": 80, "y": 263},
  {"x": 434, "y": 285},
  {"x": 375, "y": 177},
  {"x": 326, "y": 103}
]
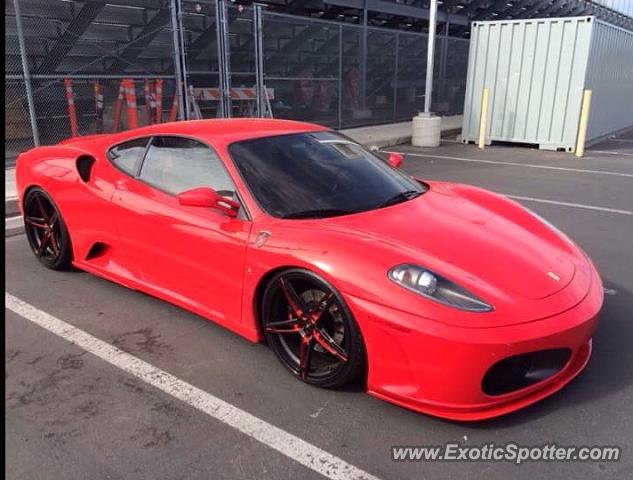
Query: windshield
[{"x": 311, "y": 175}]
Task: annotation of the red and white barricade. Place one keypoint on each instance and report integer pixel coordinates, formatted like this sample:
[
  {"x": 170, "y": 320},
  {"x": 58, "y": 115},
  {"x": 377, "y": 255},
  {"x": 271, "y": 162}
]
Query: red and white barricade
[{"x": 238, "y": 93}]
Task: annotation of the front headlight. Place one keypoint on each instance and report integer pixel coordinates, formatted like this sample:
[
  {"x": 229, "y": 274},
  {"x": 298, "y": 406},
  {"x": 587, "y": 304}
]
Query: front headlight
[{"x": 435, "y": 287}]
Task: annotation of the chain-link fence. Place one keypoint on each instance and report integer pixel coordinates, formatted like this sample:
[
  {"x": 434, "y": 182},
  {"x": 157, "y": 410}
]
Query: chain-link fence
[
  {"x": 95, "y": 66},
  {"x": 346, "y": 76},
  {"x": 104, "y": 50}
]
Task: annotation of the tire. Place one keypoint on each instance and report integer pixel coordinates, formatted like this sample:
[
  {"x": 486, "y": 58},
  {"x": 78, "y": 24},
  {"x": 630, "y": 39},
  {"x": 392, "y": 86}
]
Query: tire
[
  {"x": 46, "y": 231},
  {"x": 310, "y": 329}
]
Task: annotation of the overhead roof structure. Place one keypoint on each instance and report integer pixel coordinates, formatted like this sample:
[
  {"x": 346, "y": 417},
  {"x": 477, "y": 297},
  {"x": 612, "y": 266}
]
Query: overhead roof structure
[
  {"x": 64, "y": 35},
  {"x": 414, "y": 14},
  {"x": 79, "y": 46}
]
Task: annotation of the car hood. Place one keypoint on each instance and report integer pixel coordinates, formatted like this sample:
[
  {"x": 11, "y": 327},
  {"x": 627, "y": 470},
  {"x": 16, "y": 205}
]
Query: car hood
[{"x": 471, "y": 236}]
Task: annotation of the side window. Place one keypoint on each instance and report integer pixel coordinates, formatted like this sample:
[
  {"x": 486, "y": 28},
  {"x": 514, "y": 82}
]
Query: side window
[
  {"x": 176, "y": 164},
  {"x": 128, "y": 156}
]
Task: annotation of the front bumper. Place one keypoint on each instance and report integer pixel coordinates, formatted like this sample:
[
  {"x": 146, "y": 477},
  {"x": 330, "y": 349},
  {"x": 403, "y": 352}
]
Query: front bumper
[{"x": 434, "y": 368}]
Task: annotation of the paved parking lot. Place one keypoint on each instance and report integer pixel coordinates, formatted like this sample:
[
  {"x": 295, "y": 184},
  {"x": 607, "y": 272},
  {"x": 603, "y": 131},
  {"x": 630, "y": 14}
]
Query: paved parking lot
[{"x": 71, "y": 414}]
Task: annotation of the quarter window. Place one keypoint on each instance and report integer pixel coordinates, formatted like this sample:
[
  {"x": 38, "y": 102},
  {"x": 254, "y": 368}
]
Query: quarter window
[
  {"x": 128, "y": 156},
  {"x": 175, "y": 164}
]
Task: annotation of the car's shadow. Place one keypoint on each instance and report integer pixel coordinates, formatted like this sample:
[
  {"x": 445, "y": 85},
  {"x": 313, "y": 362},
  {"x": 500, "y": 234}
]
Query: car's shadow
[{"x": 607, "y": 372}]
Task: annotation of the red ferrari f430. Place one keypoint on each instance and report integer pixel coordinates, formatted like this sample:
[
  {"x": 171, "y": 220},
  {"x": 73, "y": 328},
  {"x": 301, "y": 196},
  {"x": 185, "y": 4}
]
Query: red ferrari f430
[{"x": 450, "y": 300}]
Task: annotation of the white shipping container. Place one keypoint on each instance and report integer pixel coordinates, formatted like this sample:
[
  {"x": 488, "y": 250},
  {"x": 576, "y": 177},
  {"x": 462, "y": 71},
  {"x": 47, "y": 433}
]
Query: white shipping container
[{"x": 536, "y": 71}]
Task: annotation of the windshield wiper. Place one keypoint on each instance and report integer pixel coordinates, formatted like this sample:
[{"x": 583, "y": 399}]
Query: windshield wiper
[
  {"x": 400, "y": 197},
  {"x": 318, "y": 213}
]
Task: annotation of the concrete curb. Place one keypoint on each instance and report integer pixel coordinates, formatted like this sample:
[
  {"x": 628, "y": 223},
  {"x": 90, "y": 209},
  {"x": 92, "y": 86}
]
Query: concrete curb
[
  {"x": 13, "y": 226},
  {"x": 388, "y": 135},
  {"x": 11, "y": 207},
  {"x": 393, "y": 141}
]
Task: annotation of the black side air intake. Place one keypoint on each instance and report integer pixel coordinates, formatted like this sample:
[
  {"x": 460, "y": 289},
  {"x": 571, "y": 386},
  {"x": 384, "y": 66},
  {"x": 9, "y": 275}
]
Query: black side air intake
[{"x": 84, "y": 167}]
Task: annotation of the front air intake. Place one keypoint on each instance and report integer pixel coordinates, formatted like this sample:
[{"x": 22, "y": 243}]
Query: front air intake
[{"x": 521, "y": 371}]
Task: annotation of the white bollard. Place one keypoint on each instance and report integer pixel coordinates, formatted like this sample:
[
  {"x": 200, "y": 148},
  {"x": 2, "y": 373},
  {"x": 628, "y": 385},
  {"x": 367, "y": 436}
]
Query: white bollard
[{"x": 427, "y": 130}]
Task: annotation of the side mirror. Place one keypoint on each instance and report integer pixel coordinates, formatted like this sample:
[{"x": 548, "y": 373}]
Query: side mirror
[
  {"x": 395, "y": 160},
  {"x": 207, "y": 197}
]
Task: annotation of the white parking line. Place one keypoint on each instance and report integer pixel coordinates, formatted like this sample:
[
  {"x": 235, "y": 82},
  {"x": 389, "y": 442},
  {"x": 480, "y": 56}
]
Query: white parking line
[
  {"x": 567, "y": 204},
  {"x": 608, "y": 152},
  {"x": 285, "y": 443},
  {"x": 516, "y": 164}
]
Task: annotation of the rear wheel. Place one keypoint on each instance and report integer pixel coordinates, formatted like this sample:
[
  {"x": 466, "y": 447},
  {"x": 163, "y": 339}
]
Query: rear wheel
[
  {"x": 46, "y": 231},
  {"x": 310, "y": 329}
]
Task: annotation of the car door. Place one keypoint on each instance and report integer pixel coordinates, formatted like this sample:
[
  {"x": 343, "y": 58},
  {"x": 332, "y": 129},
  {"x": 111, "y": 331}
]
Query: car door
[{"x": 191, "y": 255}]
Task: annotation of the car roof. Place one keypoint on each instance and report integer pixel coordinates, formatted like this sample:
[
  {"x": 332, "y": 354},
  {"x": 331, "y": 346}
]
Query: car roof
[{"x": 225, "y": 130}]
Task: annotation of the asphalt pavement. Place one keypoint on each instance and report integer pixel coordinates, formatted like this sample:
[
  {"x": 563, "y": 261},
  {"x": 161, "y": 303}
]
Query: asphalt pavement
[{"x": 72, "y": 414}]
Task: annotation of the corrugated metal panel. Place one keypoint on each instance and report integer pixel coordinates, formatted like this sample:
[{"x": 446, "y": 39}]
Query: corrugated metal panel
[
  {"x": 610, "y": 77},
  {"x": 535, "y": 70}
]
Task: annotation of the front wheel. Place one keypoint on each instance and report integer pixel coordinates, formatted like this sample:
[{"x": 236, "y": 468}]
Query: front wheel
[
  {"x": 311, "y": 330},
  {"x": 46, "y": 231}
]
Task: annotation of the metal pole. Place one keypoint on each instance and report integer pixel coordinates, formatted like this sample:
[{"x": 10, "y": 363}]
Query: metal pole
[
  {"x": 444, "y": 60},
  {"x": 258, "y": 80},
  {"x": 429, "y": 58},
  {"x": 340, "y": 76},
  {"x": 177, "y": 60},
  {"x": 27, "y": 76},
  {"x": 259, "y": 61},
  {"x": 223, "y": 59},
  {"x": 395, "y": 80},
  {"x": 183, "y": 57},
  {"x": 363, "y": 60}
]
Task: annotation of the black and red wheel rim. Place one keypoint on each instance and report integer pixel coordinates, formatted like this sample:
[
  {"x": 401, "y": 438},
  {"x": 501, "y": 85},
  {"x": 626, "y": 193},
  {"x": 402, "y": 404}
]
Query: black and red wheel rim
[
  {"x": 43, "y": 227},
  {"x": 310, "y": 325}
]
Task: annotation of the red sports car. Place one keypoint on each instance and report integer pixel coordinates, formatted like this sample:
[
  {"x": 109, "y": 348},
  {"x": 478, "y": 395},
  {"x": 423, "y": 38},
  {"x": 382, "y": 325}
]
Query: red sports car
[{"x": 450, "y": 299}]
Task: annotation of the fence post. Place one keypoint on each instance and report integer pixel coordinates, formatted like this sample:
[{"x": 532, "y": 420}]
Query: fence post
[
  {"x": 178, "y": 56},
  {"x": 444, "y": 60},
  {"x": 363, "y": 59},
  {"x": 27, "y": 74},
  {"x": 223, "y": 59},
  {"x": 340, "y": 77},
  {"x": 260, "y": 88},
  {"x": 395, "y": 79},
  {"x": 183, "y": 56}
]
